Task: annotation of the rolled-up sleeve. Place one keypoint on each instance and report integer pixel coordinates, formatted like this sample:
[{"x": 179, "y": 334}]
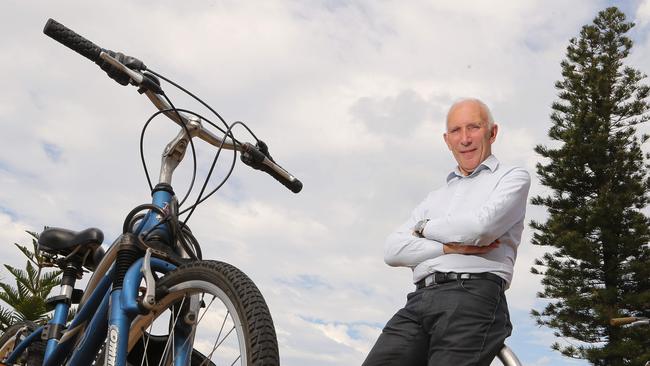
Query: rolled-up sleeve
[{"x": 505, "y": 207}]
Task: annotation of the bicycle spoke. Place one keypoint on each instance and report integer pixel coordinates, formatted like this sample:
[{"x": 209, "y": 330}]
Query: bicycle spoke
[
  {"x": 235, "y": 361},
  {"x": 171, "y": 333},
  {"x": 217, "y": 345},
  {"x": 206, "y": 308},
  {"x": 171, "y": 336},
  {"x": 223, "y": 323},
  {"x": 145, "y": 342},
  {"x": 218, "y": 340}
]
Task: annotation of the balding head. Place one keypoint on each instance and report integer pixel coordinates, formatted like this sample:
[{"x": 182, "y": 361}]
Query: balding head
[{"x": 486, "y": 114}]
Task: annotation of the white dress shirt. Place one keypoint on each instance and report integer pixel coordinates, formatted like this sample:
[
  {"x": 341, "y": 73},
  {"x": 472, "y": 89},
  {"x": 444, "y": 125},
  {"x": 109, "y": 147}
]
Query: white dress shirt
[{"x": 477, "y": 209}]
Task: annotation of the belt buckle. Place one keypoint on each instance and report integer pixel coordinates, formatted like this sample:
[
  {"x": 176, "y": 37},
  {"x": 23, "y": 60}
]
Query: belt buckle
[{"x": 430, "y": 280}]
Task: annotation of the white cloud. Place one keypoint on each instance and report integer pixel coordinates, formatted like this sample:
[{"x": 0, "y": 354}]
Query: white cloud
[
  {"x": 340, "y": 333},
  {"x": 643, "y": 13},
  {"x": 11, "y": 232}
]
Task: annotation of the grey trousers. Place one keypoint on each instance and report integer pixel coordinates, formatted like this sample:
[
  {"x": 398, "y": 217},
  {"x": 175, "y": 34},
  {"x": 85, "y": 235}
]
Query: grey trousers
[{"x": 457, "y": 323}]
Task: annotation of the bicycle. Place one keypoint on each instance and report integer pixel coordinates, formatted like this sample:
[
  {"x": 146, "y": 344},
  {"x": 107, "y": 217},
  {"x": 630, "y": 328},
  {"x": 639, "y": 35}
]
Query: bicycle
[{"x": 151, "y": 298}]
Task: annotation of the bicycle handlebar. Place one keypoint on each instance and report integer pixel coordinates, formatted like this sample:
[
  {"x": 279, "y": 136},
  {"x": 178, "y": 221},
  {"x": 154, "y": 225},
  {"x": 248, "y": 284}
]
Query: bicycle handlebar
[
  {"x": 258, "y": 157},
  {"x": 251, "y": 155},
  {"x": 72, "y": 40}
]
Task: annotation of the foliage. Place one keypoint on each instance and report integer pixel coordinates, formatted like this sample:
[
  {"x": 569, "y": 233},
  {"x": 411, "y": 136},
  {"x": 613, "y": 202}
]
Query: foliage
[
  {"x": 26, "y": 300},
  {"x": 599, "y": 265}
]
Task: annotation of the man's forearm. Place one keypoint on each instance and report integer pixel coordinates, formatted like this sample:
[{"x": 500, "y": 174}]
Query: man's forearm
[
  {"x": 403, "y": 249},
  {"x": 504, "y": 208},
  {"x": 457, "y": 248}
]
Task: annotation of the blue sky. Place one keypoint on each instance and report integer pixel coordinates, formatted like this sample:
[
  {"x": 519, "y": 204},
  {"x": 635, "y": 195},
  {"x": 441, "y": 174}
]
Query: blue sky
[{"x": 349, "y": 95}]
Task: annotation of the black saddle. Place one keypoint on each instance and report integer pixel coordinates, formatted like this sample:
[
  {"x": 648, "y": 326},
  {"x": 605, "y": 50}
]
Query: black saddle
[{"x": 56, "y": 240}]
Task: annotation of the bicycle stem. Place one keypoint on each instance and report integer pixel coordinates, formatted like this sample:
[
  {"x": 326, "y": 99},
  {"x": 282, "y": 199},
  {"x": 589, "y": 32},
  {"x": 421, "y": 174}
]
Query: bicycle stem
[
  {"x": 192, "y": 123},
  {"x": 172, "y": 156}
]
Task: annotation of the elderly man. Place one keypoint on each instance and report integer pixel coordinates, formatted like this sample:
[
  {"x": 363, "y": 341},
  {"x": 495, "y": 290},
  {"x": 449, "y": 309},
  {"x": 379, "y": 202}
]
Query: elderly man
[{"x": 461, "y": 243}]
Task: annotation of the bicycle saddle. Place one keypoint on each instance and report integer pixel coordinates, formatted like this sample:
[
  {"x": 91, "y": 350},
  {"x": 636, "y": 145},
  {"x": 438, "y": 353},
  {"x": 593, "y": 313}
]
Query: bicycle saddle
[{"x": 63, "y": 241}]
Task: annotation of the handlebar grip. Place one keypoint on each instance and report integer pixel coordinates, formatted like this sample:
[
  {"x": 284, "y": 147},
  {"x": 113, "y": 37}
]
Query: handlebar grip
[
  {"x": 294, "y": 185},
  {"x": 72, "y": 40},
  {"x": 253, "y": 157},
  {"x": 622, "y": 321}
]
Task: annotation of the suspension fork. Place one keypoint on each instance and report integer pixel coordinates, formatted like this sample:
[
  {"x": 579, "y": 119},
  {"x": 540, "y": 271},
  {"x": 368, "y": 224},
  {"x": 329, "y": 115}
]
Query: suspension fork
[
  {"x": 128, "y": 253},
  {"x": 125, "y": 305},
  {"x": 118, "y": 320},
  {"x": 129, "y": 303}
]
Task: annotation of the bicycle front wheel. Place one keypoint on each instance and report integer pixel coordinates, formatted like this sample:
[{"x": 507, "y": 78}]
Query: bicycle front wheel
[{"x": 207, "y": 313}]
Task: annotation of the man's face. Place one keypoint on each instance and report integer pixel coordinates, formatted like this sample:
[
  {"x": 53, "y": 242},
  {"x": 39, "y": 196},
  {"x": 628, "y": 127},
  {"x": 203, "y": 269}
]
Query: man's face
[{"x": 468, "y": 136}]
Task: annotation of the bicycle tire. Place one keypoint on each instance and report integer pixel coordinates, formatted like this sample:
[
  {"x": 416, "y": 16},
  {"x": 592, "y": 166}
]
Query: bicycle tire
[
  {"x": 246, "y": 314},
  {"x": 33, "y": 355}
]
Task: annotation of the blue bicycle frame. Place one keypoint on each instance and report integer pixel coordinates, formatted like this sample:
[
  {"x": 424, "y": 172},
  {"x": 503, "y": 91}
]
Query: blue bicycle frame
[
  {"x": 106, "y": 311},
  {"x": 109, "y": 312}
]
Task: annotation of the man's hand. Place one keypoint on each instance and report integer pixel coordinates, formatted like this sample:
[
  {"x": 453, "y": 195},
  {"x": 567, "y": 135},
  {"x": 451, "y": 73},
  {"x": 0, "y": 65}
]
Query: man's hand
[
  {"x": 455, "y": 248},
  {"x": 419, "y": 228}
]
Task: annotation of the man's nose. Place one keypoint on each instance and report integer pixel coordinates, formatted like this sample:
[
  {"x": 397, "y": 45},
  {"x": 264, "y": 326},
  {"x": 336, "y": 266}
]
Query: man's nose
[{"x": 465, "y": 138}]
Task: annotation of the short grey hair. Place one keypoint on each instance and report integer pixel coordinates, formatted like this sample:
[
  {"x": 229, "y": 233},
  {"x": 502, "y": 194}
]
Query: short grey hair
[{"x": 484, "y": 107}]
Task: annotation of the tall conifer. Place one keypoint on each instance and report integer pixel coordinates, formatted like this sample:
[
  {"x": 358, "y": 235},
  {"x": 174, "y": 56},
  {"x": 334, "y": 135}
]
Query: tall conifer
[{"x": 598, "y": 266}]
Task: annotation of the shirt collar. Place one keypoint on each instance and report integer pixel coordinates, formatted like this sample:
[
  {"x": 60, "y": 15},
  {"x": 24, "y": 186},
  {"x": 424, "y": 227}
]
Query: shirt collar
[{"x": 491, "y": 163}]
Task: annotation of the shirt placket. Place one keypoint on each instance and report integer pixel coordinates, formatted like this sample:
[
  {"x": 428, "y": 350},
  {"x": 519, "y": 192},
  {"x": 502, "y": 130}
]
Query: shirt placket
[{"x": 455, "y": 197}]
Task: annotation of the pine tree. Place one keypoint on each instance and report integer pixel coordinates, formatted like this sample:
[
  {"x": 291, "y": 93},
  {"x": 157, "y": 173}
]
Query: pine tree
[
  {"x": 26, "y": 300},
  {"x": 599, "y": 264}
]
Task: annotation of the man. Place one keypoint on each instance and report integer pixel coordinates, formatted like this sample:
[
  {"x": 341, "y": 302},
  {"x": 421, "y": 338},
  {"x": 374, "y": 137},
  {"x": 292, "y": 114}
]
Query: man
[{"x": 461, "y": 243}]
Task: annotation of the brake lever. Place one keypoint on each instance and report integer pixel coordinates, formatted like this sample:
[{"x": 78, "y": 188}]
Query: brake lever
[
  {"x": 255, "y": 155},
  {"x": 258, "y": 157},
  {"x": 141, "y": 80}
]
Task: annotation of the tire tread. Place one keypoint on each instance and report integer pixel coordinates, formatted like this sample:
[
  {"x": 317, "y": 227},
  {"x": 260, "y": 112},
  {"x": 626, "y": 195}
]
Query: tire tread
[{"x": 245, "y": 295}]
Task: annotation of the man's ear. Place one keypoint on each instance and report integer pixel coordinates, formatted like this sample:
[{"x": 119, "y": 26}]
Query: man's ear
[
  {"x": 444, "y": 136},
  {"x": 493, "y": 132}
]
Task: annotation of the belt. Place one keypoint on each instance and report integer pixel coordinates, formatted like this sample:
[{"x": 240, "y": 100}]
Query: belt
[{"x": 443, "y": 277}]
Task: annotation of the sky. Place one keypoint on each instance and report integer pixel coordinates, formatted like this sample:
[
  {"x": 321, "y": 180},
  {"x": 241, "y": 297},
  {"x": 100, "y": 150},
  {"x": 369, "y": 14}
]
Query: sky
[{"x": 351, "y": 98}]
